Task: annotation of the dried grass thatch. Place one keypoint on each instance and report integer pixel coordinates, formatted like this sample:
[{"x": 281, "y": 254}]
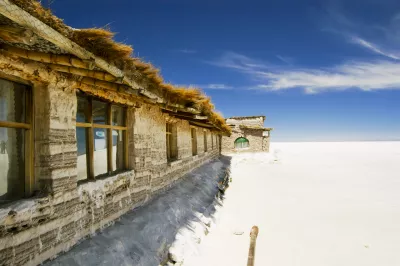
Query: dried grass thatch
[{"x": 100, "y": 42}]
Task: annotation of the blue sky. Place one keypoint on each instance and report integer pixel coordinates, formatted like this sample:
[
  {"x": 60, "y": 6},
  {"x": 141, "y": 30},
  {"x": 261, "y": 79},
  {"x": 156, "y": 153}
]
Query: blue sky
[{"x": 319, "y": 70}]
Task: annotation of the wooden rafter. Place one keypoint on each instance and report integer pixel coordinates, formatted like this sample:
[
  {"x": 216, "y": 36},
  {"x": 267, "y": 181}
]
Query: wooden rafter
[
  {"x": 183, "y": 115},
  {"x": 106, "y": 85},
  {"x": 100, "y": 75},
  {"x": 200, "y": 124},
  {"x": 66, "y": 60},
  {"x": 15, "y": 34}
]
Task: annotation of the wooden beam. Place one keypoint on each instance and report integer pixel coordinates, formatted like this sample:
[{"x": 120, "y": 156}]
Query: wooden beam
[
  {"x": 125, "y": 136},
  {"x": 200, "y": 124},
  {"x": 109, "y": 140},
  {"x": 106, "y": 85},
  {"x": 183, "y": 115},
  {"x": 66, "y": 60},
  {"x": 252, "y": 248},
  {"x": 90, "y": 143},
  {"x": 10, "y": 124},
  {"x": 15, "y": 34},
  {"x": 100, "y": 75}
]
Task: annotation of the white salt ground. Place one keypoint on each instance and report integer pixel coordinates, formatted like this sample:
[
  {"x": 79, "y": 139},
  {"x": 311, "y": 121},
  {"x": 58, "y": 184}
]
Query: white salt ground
[{"x": 316, "y": 204}]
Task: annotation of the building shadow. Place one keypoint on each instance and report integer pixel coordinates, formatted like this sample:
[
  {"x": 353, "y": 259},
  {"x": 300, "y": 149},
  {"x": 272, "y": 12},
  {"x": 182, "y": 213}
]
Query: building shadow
[{"x": 144, "y": 235}]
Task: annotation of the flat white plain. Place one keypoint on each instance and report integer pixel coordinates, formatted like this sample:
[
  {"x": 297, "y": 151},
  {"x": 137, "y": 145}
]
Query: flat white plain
[{"x": 316, "y": 204}]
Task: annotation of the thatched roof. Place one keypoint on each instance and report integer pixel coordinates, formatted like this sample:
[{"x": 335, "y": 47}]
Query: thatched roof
[
  {"x": 100, "y": 42},
  {"x": 255, "y": 127},
  {"x": 247, "y": 117}
]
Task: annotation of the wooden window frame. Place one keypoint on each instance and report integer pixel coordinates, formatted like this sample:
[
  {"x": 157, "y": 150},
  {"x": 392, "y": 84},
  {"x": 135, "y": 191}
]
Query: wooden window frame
[
  {"x": 205, "y": 141},
  {"x": 212, "y": 141},
  {"x": 171, "y": 145},
  {"x": 29, "y": 177},
  {"x": 193, "y": 133},
  {"x": 89, "y": 126}
]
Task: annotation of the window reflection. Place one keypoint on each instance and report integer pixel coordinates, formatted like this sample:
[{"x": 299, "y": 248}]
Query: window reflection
[
  {"x": 12, "y": 141},
  {"x": 117, "y": 115},
  {"x": 99, "y": 112},
  {"x": 100, "y": 151},
  {"x": 82, "y": 156},
  {"x": 82, "y": 110},
  {"x": 118, "y": 150}
]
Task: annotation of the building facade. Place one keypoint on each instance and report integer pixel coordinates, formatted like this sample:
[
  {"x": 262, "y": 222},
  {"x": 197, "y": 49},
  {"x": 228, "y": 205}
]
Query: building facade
[
  {"x": 248, "y": 135},
  {"x": 82, "y": 139}
]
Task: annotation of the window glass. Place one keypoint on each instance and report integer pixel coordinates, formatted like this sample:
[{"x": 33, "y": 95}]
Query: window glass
[
  {"x": 117, "y": 115},
  {"x": 12, "y": 101},
  {"x": 82, "y": 110},
  {"x": 118, "y": 150},
  {"x": 100, "y": 151},
  {"x": 12, "y": 164},
  {"x": 99, "y": 112},
  {"x": 81, "y": 138},
  {"x": 108, "y": 141}
]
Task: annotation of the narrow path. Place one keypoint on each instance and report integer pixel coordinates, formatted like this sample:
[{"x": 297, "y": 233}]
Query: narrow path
[
  {"x": 317, "y": 204},
  {"x": 142, "y": 236}
]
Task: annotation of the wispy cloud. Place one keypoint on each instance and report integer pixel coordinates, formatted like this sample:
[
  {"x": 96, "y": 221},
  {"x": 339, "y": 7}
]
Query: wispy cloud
[
  {"x": 366, "y": 76},
  {"x": 239, "y": 62},
  {"x": 285, "y": 59},
  {"x": 186, "y": 51},
  {"x": 373, "y": 47},
  {"x": 366, "y": 73},
  {"x": 211, "y": 86}
]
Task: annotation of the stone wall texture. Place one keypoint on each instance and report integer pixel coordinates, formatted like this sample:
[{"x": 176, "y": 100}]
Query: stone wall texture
[{"x": 62, "y": 212}]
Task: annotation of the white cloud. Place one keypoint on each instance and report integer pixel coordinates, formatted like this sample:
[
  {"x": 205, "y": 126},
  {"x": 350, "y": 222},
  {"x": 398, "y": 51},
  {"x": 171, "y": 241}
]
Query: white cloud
[
  {"x": 373, "y": 47},
  {"x": 285, "y": 59},
  {"x": 367, "y": 76},
  {"x": 239, "y": 62},
  {"x": 211, "y": 86},
  {"x": 186, "y": 51}
]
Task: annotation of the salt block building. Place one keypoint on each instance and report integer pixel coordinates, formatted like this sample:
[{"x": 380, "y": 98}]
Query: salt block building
[
  {"x": 248, "y": 134},
  {"x": 87, "y": 132}
]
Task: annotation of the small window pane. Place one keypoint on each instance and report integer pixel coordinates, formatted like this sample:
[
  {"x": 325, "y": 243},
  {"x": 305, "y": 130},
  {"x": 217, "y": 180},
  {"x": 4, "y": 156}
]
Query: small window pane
[
  {"x": 12, "y": 164},
  {"x": 118, "y": 149},
  {"x": 100, "y": 151},
  {"x": 82, "y": 159},
  {"x": 118, "y": 116},
  {"x": 99, "y": 112},
  {"x": 12, "y": 101},
  {"x": 82, "y": 110}
]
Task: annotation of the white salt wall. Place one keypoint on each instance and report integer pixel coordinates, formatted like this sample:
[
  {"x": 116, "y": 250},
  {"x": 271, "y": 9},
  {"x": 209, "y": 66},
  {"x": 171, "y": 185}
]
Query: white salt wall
[
  {"x": 142, "y": 237},
  {"x": 315, "y": 204}
]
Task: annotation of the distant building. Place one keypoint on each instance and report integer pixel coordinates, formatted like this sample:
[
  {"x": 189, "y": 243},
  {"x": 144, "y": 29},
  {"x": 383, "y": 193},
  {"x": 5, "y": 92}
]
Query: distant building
[{"x": 248, "y": 134}]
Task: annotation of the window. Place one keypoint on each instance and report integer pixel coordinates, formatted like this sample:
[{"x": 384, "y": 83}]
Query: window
[
  {"x": 205, "y": 141},
  {"x": 101, "y": 138},
  {"x": 16, "y": 160},
  {"x": 241, "y": 143},
  {"x": 171, "y": 138},
  {"x": 212, "y": 141},
  {"x": 194, "y": 141}
]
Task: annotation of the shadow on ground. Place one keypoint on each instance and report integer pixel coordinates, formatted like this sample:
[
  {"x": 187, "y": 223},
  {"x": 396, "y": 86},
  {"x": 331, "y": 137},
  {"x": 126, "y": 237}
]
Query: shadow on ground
[{"x": 143, "y": 236}]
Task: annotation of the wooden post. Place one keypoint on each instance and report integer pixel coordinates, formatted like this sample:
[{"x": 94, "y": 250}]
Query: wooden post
[{"x": 252, "y": 249}]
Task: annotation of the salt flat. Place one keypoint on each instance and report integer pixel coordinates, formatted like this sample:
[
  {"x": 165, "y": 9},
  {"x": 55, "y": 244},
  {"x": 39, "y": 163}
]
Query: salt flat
[{"x": 316, "y": 204}]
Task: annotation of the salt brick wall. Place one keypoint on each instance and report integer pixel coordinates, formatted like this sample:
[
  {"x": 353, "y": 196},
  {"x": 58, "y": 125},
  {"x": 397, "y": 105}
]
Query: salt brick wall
[
  {"x": 259, "y": 121},
  {"x": 36, "y": 229},
  {"x": 257, "y": 142}
]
